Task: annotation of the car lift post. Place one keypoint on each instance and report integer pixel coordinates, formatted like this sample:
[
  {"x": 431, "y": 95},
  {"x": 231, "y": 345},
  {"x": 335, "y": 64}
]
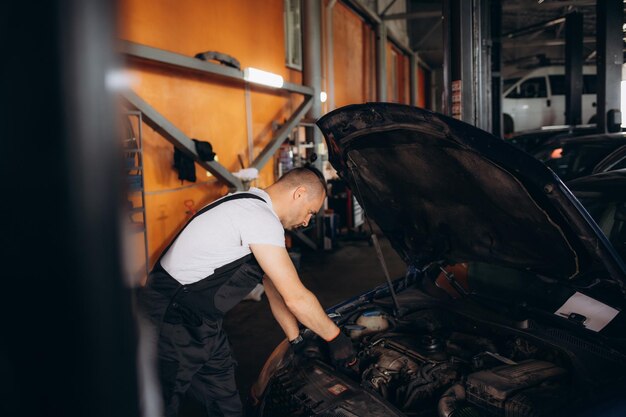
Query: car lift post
[
  {"x": 467, "y": 57},
  {"x": 609, "y": 60},
  {"x": 573, "y": 68}
]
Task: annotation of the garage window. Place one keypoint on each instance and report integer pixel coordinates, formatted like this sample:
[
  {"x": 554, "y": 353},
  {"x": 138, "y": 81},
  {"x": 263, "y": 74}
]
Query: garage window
[
  {"x": 293, "y": 35},
  {"x": 558, "y": 87},
  {"x": 534, "y": 88}
]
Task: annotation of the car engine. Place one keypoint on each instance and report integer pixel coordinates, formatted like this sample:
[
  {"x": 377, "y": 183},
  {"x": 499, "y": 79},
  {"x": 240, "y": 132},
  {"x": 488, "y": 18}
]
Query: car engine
[{"x": 426, "y": 364}]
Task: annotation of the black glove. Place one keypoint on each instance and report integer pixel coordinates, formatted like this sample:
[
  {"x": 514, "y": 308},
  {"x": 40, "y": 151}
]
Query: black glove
[
  {"x": 298, "y": 345},
  {"x": 342, "y": 352}
]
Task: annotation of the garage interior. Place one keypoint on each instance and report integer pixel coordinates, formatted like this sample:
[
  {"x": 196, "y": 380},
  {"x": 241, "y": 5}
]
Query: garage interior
[{"x": 137, "y": 114}]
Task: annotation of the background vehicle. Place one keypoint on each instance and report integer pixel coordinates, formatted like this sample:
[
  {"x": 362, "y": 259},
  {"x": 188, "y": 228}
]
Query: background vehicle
[
  {"x": 575, "y": 157},
  {"x": 604, "y": 197},
  {"x": 538, "y": 99},
  {"x": 529, "y": 141}
]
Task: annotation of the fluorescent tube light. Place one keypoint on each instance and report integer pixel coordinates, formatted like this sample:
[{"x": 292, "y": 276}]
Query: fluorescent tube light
[{"x": 258, "y": 76}]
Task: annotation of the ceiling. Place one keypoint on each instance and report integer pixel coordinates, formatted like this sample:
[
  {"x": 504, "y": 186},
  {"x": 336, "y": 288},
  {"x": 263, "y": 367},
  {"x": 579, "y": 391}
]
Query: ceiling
[{"x": 527, "y": 50}]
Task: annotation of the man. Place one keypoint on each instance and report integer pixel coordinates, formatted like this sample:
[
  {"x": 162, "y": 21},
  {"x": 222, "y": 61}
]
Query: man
[{"x": 215, "y": 261}]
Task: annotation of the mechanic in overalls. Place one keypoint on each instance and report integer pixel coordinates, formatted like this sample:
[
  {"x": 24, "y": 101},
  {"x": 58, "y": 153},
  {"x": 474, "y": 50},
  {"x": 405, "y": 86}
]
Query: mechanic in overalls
[{"x": 222, "y": 253}]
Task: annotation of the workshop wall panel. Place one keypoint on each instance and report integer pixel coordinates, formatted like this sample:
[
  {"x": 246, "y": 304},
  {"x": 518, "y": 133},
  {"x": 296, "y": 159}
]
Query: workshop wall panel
[
  {"x": 398, "y": 66},
  {"x": 214, "y": 109},
  {"x": 422, "y": 87},
  {"x": 353, "y": 56},
  {"x": 203, "y": 106}
]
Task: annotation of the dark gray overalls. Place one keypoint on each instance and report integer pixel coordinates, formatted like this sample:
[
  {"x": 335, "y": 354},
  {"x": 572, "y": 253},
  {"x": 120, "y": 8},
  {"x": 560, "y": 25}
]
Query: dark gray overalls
[{"x": 193, "y": 351}]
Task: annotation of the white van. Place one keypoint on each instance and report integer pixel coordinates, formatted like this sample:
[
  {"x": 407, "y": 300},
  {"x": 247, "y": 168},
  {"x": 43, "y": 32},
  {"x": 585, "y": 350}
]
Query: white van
[{"x": 538, "y": 99}]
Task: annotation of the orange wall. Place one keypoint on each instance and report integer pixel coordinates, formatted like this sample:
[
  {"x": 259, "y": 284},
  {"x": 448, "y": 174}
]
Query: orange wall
[
  {"x": 210, "y": 108},
  {"x": 203, "y": 107},
  {"x": 402, "y": 68},
  {"x": 353, "y": 57},
  {"x": 421, "y": 87}
]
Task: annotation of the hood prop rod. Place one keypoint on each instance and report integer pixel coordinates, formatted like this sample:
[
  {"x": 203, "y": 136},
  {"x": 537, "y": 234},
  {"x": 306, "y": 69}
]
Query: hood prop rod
[
  {"x": 381, "y": 259},
  {"x": 376, "y": 243}
]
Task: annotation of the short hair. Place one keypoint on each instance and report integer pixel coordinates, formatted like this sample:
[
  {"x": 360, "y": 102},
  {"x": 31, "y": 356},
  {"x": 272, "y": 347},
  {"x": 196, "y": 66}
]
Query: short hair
[{"x": 307, "y": 176}]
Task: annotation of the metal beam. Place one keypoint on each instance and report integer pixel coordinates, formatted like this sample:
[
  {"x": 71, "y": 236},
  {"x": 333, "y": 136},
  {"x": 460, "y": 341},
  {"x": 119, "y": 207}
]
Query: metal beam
[
  {"x": 312, "y": 67},
  {"x": 574, "y": 68},
  {"x": 413, "y": 79},
  {"x": 365, "y": 12},
  {"x": 446, "y": 31},
  {"x": 413, "y": 15},
  {"x": 459, "y": 69},
  {"x": 391, "y": 3},
  {"x": 176, "y": 137},
  {"x": 381, "y": 61},
  {"x": 428, "y": 34},
  {"x": 609, "y": 20},
  {"x": 481, "y": 65},
  {"x": 162, "y": 56},
  {"x": 282, "y": 133},
  {"x": 496, "y": 67},
  {"x": 549, "y": 5},
  {"x": 330, "y": 56},
  {"x": 534, "y": 28},
  {"x": 467, "y": 69},
  {"x": 304, "y": 239},
  {"x": 508, "y": 44}
]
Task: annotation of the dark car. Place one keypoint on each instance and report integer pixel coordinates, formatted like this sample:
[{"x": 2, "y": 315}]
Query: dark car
[
  {"x": 604, "y": 197},
  {"x": 512, "y": 300},
  {"x": 529, "y": 141},
  {"x": 576, "y": 157}
]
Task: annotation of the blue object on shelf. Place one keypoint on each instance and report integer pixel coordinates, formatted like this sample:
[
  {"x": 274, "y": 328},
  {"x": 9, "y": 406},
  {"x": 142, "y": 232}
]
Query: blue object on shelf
[
  {"x": 134, "y": 182},
  {"x": 129, "y": 162}
]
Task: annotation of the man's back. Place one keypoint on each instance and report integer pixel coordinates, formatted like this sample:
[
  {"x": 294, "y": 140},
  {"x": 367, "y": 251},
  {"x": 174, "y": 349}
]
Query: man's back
[{"x": 222, "y": 235}]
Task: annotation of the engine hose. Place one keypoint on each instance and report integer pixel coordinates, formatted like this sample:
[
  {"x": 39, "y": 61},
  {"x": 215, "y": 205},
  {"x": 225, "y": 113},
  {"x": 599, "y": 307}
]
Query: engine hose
[
  {"x": 449, "y": 400},
  {"x": 383, "y": 391},
  {"x": 427, "y": 370},
  {"x": 419, "y": 393}
]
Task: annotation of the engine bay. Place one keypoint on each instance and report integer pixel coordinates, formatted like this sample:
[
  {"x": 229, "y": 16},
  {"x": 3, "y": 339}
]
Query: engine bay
[{"x": 430, "y": 363}]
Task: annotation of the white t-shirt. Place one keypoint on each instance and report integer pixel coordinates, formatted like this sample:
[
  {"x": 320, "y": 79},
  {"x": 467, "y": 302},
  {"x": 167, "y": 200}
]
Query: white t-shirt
[{"x": 222, "y": 235}]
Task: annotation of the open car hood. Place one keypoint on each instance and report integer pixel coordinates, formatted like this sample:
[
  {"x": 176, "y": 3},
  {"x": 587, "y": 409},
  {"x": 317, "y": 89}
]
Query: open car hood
[{"x": 444, "y": 191}]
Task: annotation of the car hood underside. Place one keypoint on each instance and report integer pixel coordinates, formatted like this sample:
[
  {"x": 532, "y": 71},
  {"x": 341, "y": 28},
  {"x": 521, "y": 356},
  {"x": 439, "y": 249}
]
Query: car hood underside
[{"x": 444, "y": 191}]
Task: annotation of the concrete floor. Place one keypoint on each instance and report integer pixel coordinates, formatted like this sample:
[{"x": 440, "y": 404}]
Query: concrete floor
[{"x": 349, "y": 269}]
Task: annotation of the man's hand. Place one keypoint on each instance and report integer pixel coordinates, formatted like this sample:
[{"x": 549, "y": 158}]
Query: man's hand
[{"x": 342, "y": 352}]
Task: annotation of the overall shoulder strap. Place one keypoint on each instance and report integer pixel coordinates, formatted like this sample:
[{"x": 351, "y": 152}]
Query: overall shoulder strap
[{"x": 231, "y": 197}]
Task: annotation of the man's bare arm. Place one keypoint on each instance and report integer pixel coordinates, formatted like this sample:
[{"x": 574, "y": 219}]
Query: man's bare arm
[
  {"x": 279, "y": 268},
  {"x": 283, "y": 316}
]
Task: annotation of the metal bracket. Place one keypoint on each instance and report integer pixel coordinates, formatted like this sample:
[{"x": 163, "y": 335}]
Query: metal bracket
[
  {"x": 304, "y": 239},
  {"x": 176, "y": 137},
  {"x": 282, "y": 133},
  {"x": 182, "y": 61}
]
